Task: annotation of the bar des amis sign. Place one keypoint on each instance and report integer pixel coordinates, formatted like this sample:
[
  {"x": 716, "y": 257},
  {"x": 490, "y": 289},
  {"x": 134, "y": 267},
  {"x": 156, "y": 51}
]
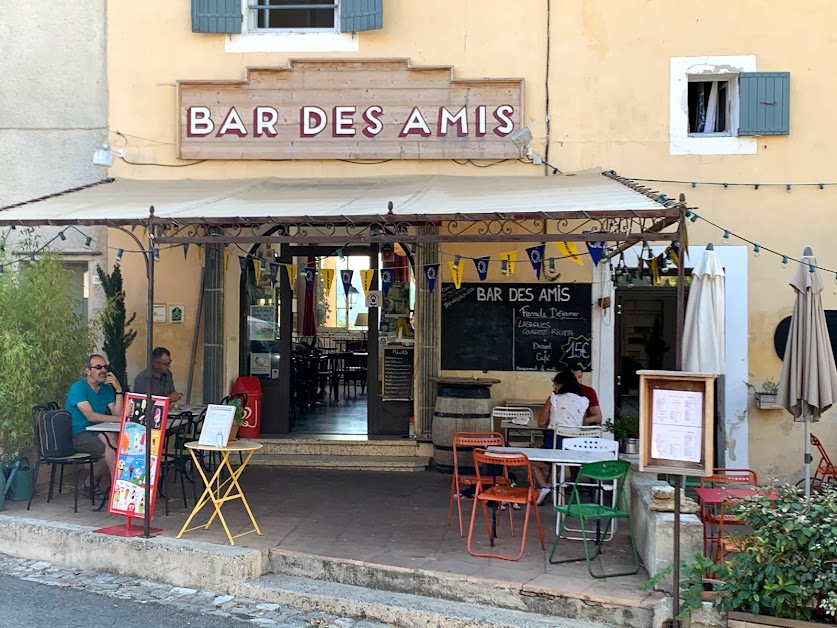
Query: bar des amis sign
[{"x": 367, "y": 109}]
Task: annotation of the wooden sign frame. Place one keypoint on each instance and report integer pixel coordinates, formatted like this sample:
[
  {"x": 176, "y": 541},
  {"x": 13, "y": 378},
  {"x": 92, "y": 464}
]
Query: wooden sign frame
[{"x": 657, "y": 422}]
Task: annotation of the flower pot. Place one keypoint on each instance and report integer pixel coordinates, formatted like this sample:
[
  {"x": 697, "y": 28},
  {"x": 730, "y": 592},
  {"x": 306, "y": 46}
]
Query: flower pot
[
  {"x": 233, "y": 434},
  {"x": 629, "y": 445},
  {"x": 746, "y": 620}
]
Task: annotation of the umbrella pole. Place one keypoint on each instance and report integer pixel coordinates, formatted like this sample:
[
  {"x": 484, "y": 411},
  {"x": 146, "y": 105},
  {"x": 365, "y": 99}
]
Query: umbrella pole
[{"x": 807, "y": 456}]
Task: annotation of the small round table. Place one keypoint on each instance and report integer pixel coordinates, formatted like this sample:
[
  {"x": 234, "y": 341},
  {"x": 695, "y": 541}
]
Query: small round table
[{"x": 213, "y": 486}]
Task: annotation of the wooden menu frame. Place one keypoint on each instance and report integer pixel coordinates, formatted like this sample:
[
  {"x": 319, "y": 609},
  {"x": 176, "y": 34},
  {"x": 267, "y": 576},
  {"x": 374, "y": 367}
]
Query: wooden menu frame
[{"x": 678, "y": 381}]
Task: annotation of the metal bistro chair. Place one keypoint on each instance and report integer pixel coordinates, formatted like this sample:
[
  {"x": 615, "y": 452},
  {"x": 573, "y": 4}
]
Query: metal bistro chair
[
  {"x": 604, "y": 471},
  {"x": 503, "y": 494},
  {"x": 712, "y": 519},
  {"x": 468, "y": 441},
  {"x": 54, "y": 445},
  {"x": 825, "y": 472},
  {"x": 611, "y": 447},
  {"x": 515, "y": 419}
]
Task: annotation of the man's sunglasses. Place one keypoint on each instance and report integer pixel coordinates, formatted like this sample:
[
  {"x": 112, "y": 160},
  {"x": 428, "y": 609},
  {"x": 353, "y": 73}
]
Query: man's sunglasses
[{"x": 98, "y": 367}]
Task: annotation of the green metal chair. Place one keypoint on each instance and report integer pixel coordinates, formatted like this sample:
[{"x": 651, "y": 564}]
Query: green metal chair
[{"x": 604, "y": 471}]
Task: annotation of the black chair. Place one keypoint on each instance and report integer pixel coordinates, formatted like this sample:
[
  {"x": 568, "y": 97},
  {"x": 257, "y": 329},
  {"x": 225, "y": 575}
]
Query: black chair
[
  {"x": 53, "y": 433},
  {"x": 176, "y": 459},
  {"x": 355, "y": 372}
]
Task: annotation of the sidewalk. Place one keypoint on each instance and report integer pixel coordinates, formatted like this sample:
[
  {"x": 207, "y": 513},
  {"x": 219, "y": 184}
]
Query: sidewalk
[{"x": 388, "y": 531}]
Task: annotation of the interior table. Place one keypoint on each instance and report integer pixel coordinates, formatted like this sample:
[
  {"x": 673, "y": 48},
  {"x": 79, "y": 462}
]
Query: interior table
[{"x": 217, "y": 491}]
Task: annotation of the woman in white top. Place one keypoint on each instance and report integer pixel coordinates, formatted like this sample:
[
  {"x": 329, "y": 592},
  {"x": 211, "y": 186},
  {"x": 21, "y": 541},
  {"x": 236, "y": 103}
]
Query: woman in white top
[{"x": 565, "y": 407}]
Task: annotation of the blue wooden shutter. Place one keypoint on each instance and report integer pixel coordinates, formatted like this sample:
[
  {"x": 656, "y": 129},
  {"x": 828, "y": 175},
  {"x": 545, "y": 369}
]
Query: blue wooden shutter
[
  {"x": 764, "y": 99},
  {"x": 361, "y": 15},
  {"x": 216, "y": 16}
]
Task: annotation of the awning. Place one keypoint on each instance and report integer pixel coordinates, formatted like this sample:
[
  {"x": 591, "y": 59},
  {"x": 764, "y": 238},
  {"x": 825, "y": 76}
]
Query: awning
[{"x": 269, "y": 200}]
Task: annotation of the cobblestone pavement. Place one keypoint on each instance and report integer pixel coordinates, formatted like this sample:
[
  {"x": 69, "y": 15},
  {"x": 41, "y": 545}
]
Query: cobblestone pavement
[{"x": 192, "y": 600}]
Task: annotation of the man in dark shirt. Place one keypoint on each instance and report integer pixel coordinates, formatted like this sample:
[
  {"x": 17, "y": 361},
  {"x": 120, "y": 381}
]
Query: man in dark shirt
[{"x": 161, "y": 380}]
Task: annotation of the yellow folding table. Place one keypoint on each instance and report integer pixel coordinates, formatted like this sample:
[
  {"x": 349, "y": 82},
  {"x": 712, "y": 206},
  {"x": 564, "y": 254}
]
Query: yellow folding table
[{"x": 214, "y": 486}]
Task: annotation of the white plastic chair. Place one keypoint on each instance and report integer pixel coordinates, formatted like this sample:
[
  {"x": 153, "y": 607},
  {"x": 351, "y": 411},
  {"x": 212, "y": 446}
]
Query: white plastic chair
[
  {"x": 595, "y": 444},
  {"x": 582, "y": 432},
  {"x": 514, "y": 418}
]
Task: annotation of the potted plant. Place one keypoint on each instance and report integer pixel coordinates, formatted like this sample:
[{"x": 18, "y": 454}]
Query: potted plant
[
  {"x": 238, "y": 418},
  {"x": 625, "y": 429},
  {"x": 43, "y": 338},
  {"x": 766, "y": 396}
]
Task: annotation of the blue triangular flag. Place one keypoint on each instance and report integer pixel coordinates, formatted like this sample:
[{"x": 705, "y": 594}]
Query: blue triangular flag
[
  {"x": 242, "y": 261},
  {"x": 185, "y": 250},
  {"x": 596, "y": 250},
  {"x": 274, "y": 270},
  {"x": 308, "y": 274},
  {"x": 346, "y": 278},
  {"x": 482, "y": 267},
  {"x": 386, "y": 280},
  {"x": 431, "y": 272},
  {"x": 535, "y": 254}
]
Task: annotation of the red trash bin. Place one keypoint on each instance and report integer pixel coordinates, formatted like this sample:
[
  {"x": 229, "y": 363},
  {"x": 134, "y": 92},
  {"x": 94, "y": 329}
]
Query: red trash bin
[{"x": 252, "y": 420}]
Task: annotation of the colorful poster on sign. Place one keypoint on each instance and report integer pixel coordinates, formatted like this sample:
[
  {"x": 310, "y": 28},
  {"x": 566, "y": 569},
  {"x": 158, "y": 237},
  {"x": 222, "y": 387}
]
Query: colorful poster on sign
[{"x": 127, "y": 490}]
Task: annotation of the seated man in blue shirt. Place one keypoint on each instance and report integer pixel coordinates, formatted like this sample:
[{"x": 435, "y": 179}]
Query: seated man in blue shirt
[{"x": 88, "y": 401}]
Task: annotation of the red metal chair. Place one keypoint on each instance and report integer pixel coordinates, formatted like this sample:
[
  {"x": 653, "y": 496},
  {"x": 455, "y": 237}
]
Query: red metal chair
[
  {"x": 504, "y": 494},
  {"x": 470, "y": 440},
  {"x": 729, "y": 543},
  {"x": 825, "y": 471},
  {"x": 713, "y": 520}
]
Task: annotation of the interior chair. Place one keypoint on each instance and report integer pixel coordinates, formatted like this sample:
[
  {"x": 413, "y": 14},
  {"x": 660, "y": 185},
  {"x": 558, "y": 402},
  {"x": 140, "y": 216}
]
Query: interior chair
[
  {"x": 515, "y": 419},
  {"x": 711, "y": 517},
  {"x": 463, "y": 444},
  {"x": 587, "y": 443},
  {"x": 614, "y": 471},
  {"x": 489, "y": 493},
  {"x": 53, "y": 434},
  {"x": 354, "y": 372},
  {"x": 825, "y": 471}
]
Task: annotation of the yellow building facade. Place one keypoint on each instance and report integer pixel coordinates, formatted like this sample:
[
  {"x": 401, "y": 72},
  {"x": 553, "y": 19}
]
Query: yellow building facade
[{"x": 625, "y": 86}]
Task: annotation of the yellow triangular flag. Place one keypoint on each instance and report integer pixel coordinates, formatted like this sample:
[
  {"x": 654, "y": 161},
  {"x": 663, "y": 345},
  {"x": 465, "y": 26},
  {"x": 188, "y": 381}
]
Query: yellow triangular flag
[
  {"x": 292, "y": 270},
  {"x": 456, "y": 273},
  {"x": 227, "y": 257},
  {"x": 257, "y": 267},
  {"x": 366, "y": 277},
  {"x": 568, "y": 249},
  {"x": 200, "y": 253},
  {"x": 328, "y": 278},
  {"x": 509, "y": 258}
]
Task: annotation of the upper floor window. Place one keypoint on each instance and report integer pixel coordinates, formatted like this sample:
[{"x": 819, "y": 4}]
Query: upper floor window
[{"x": 293, "y": 15}]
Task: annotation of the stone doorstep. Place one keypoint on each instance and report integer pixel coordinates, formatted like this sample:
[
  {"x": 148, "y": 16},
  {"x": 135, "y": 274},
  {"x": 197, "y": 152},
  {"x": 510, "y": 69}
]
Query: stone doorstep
[
  {"x": 593, "y": 605},
  {"x": 413, "y": 464},
  {"x": 383, "y": 447}
]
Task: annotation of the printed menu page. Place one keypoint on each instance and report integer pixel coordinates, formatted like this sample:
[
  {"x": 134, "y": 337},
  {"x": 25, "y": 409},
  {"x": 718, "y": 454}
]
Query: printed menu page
[{"x": 677, "y": 425}]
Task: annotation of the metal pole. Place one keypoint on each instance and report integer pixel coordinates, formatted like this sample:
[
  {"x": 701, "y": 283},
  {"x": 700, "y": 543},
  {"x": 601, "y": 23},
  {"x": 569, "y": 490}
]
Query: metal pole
[
  {"x": 681, "y": 291},
  {"x": 676, "y": 575},
  {"x": 808, "y": 457},
  {"x": 193, "y": 355},
  {"x": 149, "y": 408}
]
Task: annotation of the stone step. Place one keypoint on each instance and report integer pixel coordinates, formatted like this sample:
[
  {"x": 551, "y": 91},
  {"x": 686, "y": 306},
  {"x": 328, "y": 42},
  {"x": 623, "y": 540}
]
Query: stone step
[
  {"x": 405, "y": 464},
  {"x": 397, "y": 609},
  {"x": 605, "y": 605},
  {"x": 299, "y": 446}
]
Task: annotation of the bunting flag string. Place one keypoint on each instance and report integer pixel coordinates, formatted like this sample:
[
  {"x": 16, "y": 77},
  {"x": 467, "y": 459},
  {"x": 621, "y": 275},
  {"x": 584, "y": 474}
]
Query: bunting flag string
[
  {"x": 346, "y": 278},
  {"x": 185, "y": 250},
  {"x": 535, "y": 254},
  {"x": 570, "y": 250},
  {"x": 227, "y": 257},
  {"x": 308, "y": 274},
  {"x": 386, "y": 280},
  {"x": 456, "y": 273},
  {"x": 481, "y": 264},
  {"x": 431, "y": 272},
  {"x": 292, "y": 272},
  {"x": 274, "y": 272},
  {"x": 507, "y": 261},
  {"x": 595, "y": 249},
  {"x": 257, "y": 270}
]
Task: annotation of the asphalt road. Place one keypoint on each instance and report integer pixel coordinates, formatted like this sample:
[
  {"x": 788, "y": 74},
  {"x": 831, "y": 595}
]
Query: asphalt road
[{"x": 35, "y": 605}]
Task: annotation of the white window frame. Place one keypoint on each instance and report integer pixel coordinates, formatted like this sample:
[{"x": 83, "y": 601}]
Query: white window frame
[
  {"x": 719, "y": 68},
  {"x": 252, "y": 39},
  {"x": 253, "y": 18}
]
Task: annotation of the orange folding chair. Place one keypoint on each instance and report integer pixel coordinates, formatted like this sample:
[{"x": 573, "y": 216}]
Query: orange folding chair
[
  {"x": 729, "y": 543},
  {"x": 503, "y": 494},
  {"x": 825, "y": 469},
  {"x": 466, "y": 442},
  {"x": 712, "y": 519}
]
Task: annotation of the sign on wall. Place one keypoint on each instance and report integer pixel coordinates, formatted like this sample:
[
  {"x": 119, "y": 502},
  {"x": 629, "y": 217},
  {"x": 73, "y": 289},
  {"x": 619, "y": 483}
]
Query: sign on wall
[{"x": 381, "y": 109}]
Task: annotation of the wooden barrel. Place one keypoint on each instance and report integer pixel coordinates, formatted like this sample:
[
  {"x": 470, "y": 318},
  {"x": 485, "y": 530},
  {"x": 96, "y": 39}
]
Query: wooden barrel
[{"x": 459, "y": 408}]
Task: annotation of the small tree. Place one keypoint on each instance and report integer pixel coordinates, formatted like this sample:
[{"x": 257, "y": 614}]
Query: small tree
[
  {"x": 43, "y": 339},
  {"x": 117, "y": 338}
]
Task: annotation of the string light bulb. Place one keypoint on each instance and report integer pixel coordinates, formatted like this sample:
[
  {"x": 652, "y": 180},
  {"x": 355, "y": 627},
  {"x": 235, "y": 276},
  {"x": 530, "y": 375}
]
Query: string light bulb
[
  {"x": 119, "y": 254},
  {"x": 694, "y": 217},
  {"x": 87, "y": 242},
  {"x": 756, "y": 250},
  {"x": 726, "y": 236},
  {"x": 32, "y": 257},
  {"x": 811, "y": 268},
  {"x": 784, "y": 261},
  {"x": 62, "y": 236},
  {"x": 156, "y": 255}
]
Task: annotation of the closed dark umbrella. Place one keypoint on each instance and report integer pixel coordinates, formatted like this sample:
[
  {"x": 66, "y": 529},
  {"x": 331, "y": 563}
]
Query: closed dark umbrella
[{"x": 808, "y": 384}]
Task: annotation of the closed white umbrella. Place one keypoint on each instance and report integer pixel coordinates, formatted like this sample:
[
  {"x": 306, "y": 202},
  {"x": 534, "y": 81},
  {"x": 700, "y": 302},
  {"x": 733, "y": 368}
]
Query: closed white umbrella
[
  {"x": 808, "y": 384},
  {"x": 703, "y": 330}
]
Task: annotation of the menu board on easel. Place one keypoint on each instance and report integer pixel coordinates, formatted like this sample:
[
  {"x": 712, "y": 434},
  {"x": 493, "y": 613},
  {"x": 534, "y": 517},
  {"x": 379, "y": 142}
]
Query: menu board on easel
[
  {"x": 127, "y": 492},
  {"x": 676, "y": 411}
]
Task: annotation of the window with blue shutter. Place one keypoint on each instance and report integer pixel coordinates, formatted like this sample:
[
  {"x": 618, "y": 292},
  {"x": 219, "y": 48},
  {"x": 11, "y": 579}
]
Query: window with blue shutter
[
  {"x": 216, "y": 16},
  {"x": 764, "y": 103},
  {"x": 361, "y": 15}
]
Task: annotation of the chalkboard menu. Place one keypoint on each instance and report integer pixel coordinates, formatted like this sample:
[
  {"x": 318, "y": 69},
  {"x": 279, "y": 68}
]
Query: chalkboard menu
[
  {"x": 398, "y": 373},
  {"x": 516, "y": 327}
]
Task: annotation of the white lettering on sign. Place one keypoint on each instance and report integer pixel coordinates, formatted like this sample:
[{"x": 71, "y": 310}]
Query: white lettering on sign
[
  {"x": 312, "y": 121},
  {"x": 199, "y": 122},
  {"x": 232, "y": 125},
  {"x": 344, "y": 122},
  {"x": 372, "y": 117},
  {"x": 503, "y": 115},
  {"x": 415, "y": 124},
  {"x": 460, "y": 119},
  {"x": 264, "y": 121}
]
